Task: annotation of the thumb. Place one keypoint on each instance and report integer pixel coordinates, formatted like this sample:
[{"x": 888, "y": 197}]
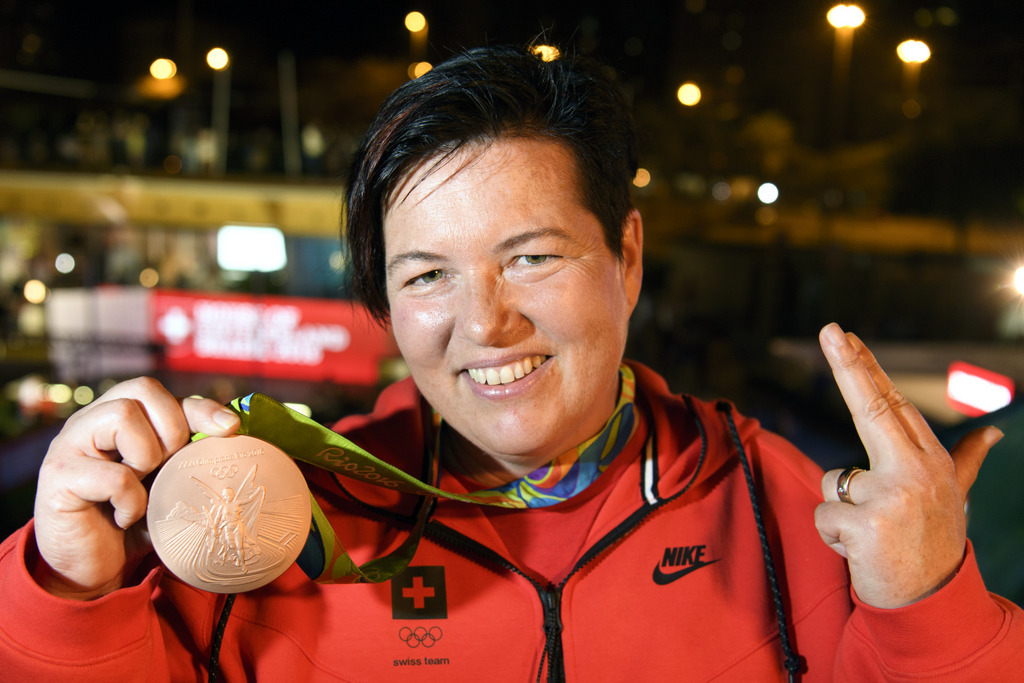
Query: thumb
[
  {"x": 209, "y": 417},
  {"x": 969, "y": 452}
]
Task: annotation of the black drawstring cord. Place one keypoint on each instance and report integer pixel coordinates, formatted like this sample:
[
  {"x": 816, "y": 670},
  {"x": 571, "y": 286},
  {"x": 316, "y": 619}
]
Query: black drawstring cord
[
  {"x": 793, "y": 660},
  {"x": 218, "y": 636}
]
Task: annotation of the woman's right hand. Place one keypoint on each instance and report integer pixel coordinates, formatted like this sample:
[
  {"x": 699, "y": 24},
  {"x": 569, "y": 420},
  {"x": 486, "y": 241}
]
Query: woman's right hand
[{"x": 90, "y": 493}]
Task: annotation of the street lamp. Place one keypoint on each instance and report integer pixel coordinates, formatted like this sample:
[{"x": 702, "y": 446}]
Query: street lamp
[
  {"x": 162, "y": 69},
  {"x": 417, "y": 69},
  {"x": 913, "y": 53},
  {"x": 844, "y": 18},
  {"x": 163, "y": 81},
  {"x": 416, "y": 24},
  {"x": 218, "y": 60},
  {"x": 688, "y": 94}
]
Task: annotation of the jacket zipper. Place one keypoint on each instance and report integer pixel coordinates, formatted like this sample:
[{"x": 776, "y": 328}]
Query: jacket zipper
[
  {"x": 551, "y": 595},
  {"x": 552, "y": 601}
]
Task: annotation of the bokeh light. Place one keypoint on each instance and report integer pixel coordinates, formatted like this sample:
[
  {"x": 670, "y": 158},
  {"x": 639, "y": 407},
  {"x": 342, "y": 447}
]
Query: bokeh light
[
  {"x": 58, "y": 393},
  {"x": 946, "y": 16},
  {"x": 31, "y": 43},
  {"x": 83, "y": 395},
  {"x": 547, "y": 53},
  {"x": 217, "y": 58},
  {"x": 162, "y": 69},
  {"x": 688, "y": 94},
  {"x": 300, "y": 408},
  {"x": 766, "y": 216},
  {"x": 65, "y": 263},
  {"x": 149, "y": 277},
  {"x": 911, "y": 109},
  {"x": 721, "y": 191},
  {"x": 417, "y": 69},
  {"x": 767, "y": 193},
  {"x": 415, "y": 22},
  {"x": 913, "y": 51},
  {"x": 845, "y": 16},
  {"x": 35, "y": 292},
  {"x": 172, "y": 164}
]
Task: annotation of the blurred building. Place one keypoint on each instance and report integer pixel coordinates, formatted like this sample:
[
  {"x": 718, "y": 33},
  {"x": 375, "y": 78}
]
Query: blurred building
[{"x": 811, "y": 180}]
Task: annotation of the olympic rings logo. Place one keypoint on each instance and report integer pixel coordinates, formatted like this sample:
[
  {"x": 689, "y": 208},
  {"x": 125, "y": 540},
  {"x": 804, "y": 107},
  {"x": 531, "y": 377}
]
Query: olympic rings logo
[
  {"x": 224, "y": 471},
  {"x": 420, "y": 636}
]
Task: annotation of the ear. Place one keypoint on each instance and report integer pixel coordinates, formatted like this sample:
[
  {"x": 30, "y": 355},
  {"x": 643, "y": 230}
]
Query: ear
[{"x": 632, "y": 256}]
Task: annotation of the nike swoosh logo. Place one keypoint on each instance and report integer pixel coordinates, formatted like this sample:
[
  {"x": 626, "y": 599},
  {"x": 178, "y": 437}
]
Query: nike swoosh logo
[{"x": 663, "y": 579}]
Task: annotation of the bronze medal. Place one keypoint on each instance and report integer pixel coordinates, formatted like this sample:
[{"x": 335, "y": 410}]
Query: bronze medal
[{"x": 228, "y": 515}]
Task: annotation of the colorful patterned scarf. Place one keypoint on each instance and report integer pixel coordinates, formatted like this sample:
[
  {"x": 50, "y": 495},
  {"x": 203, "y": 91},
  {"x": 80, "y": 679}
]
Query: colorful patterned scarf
[{"x": 574, "y": 470}]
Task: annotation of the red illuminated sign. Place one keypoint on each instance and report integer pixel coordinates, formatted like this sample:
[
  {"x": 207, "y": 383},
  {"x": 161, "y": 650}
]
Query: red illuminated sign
[
  {"x": 976, "y": 391},
  {"x": 269, "y": 336}
]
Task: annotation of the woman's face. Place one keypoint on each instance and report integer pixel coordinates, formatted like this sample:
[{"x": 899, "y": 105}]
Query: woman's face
[{"x": 506, "y": 303}]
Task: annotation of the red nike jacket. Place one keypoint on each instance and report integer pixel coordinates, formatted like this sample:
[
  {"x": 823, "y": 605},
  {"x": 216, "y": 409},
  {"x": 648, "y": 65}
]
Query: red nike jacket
[{"x": 671, "y": 584}]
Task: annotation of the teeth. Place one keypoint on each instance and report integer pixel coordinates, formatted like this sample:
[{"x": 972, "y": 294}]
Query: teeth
[{"x": 506, "y": 374}]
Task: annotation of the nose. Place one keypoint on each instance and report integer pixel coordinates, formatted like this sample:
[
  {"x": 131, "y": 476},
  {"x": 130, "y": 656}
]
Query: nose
[{"x": 489, "y": 314}]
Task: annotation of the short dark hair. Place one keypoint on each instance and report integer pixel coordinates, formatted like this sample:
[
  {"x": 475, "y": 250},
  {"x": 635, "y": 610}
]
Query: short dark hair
[{"x": 483, "y": 95}]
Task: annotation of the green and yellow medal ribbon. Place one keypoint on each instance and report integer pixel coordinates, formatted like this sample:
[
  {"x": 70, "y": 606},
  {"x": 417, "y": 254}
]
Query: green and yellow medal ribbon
[{"x": 324, "y": 558}]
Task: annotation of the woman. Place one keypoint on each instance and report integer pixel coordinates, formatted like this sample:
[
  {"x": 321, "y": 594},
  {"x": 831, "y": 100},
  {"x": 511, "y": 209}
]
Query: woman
[{"x": 644, "y": 534}]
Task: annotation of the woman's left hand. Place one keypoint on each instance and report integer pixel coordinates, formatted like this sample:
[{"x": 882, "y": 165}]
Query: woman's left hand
[{"x": 904, "y": 536}]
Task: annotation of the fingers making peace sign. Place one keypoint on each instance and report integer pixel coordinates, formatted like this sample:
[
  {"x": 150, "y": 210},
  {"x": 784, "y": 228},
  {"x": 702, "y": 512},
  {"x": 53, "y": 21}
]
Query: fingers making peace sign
[{"x": 900, "y": 524}]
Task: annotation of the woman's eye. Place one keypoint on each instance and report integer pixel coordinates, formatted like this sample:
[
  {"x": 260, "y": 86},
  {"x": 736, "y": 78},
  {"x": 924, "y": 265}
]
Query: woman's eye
[
  {"x": 427, "y": 278},
  {"x": 535, "y": 259}
]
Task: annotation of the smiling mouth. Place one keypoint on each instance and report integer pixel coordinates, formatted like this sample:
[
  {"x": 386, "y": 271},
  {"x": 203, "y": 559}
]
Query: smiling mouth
[{"x": 506, "y": 374}]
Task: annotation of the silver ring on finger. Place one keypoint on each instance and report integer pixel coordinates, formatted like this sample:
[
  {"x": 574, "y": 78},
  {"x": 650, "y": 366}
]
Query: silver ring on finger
[{"x": 843, "y": 483}]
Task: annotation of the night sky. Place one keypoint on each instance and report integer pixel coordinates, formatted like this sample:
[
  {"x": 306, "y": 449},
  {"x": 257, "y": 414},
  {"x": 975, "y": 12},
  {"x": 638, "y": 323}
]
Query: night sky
[
  {"x": 750, "y": 58},
  {"x": 654, "y": 41}
]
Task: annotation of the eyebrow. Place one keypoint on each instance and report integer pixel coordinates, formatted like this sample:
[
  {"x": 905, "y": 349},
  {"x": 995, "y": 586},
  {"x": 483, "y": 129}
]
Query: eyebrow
[
  {"x": 410, "y": 256},
  {"x": 524, "y": 237},
  {"x": 512, "y": 242}
]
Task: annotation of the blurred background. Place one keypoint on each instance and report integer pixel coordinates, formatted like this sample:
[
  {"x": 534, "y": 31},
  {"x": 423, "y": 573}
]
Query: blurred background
[{"x": 170, "y": 199}]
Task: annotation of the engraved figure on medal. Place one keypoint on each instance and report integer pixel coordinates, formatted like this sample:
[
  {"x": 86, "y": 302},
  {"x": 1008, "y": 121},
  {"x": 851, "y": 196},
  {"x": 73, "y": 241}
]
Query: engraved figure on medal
[
  {"x": 230, "y": 524},
  {"x": 223, "y": 531}
]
